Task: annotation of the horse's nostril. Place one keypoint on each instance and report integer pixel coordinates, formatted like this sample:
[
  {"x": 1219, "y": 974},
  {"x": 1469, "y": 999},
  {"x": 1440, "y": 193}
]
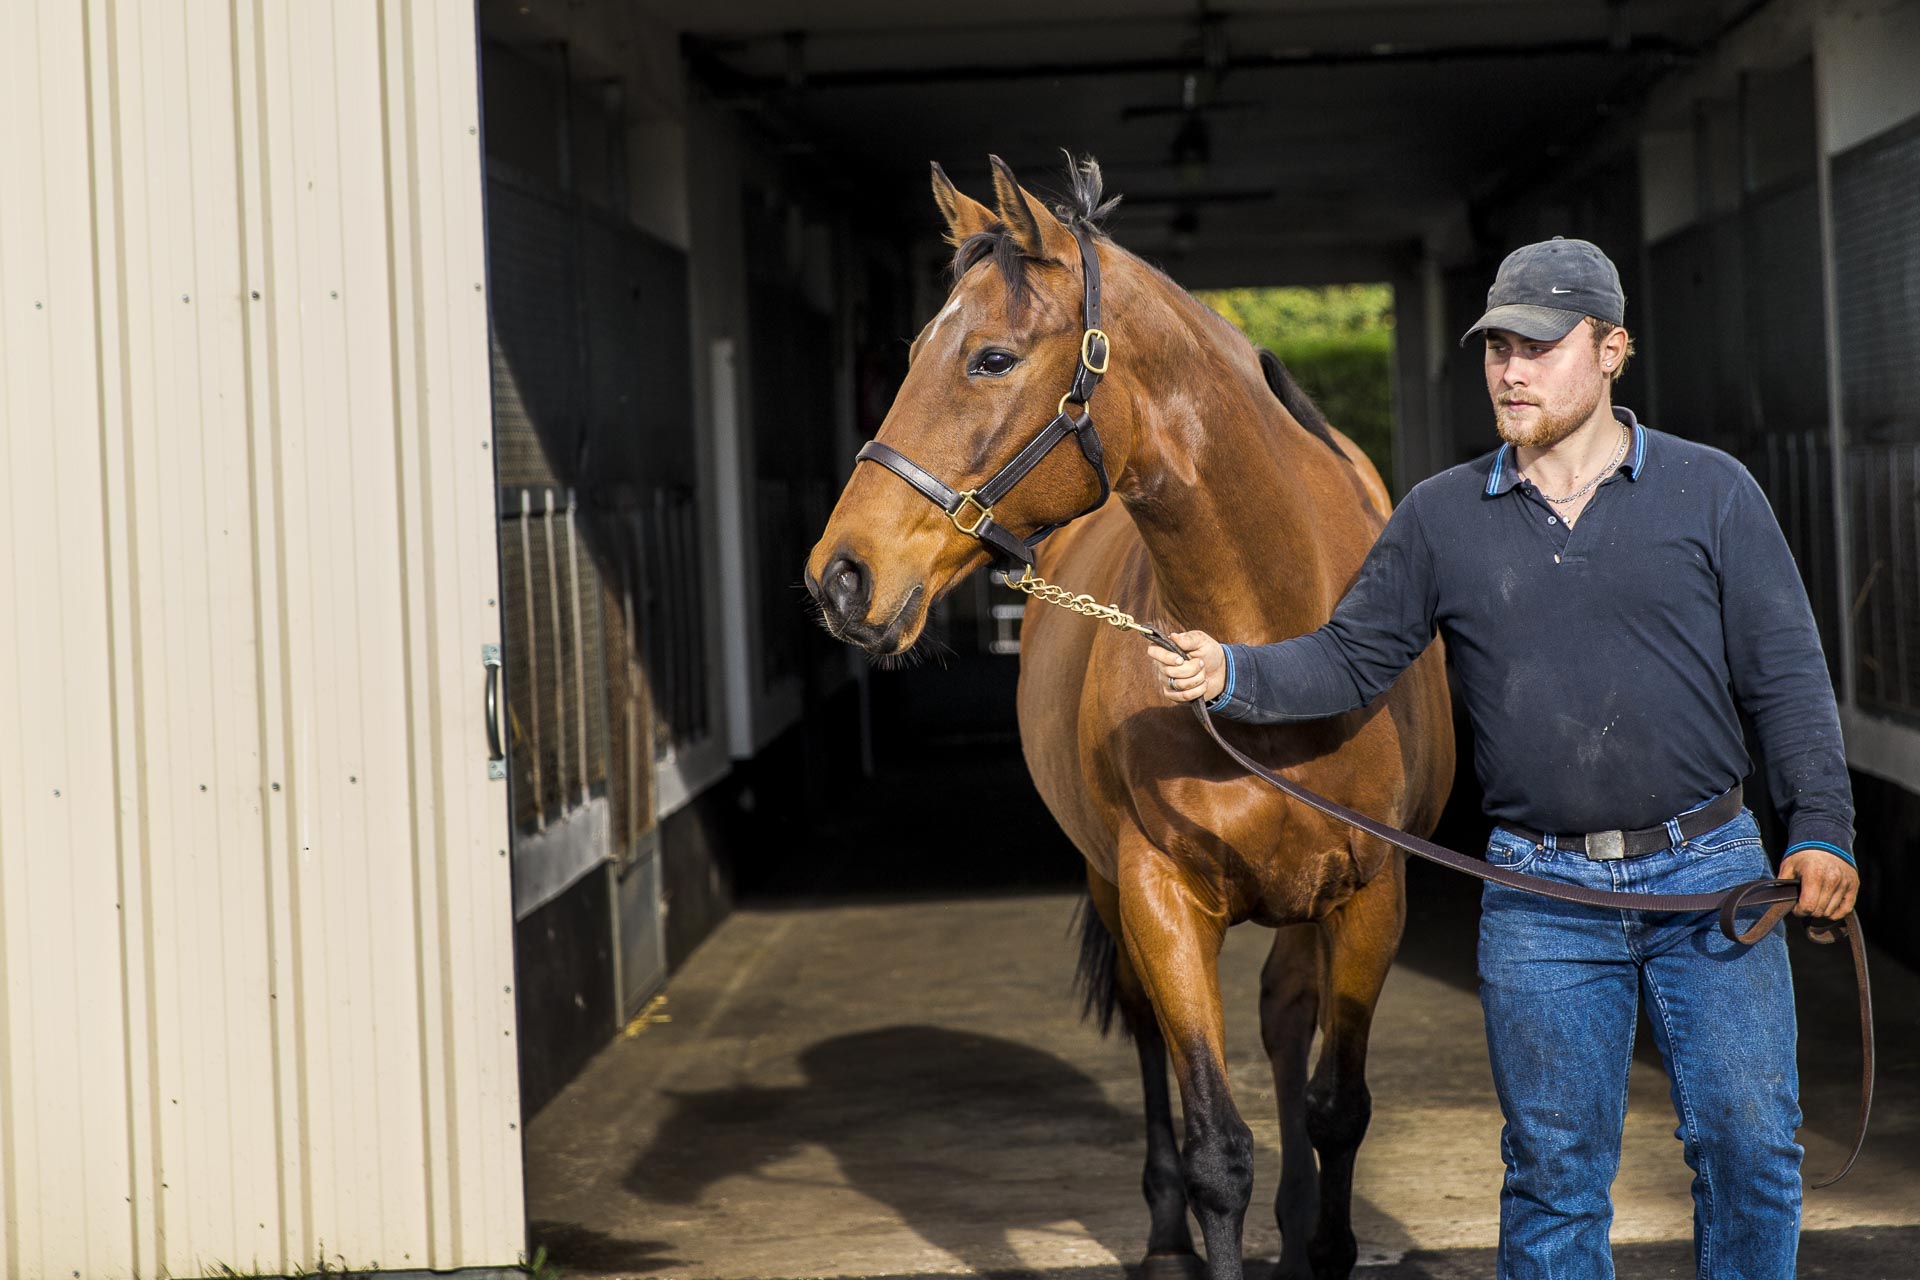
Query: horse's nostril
[{"x": 847, "y": 586}]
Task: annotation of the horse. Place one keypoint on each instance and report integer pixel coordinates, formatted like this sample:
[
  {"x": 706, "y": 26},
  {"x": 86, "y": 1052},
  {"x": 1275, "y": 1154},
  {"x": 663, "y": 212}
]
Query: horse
[{"x": 1241, "y": 512}]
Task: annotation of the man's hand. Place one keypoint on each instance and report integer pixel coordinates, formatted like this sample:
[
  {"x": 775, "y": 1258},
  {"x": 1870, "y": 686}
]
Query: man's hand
[
  {"x": 1201, "y": 675},
  {"x": 1828, "y": 885}
]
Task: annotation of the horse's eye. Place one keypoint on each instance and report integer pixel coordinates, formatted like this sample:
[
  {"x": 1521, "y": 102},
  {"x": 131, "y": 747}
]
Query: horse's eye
[{"x": 994, "y": 364}]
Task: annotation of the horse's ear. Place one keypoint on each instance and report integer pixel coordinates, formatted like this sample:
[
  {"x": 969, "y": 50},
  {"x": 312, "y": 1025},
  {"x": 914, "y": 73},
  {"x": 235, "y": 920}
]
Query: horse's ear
[
  {"x": 965, "y": 215},
  {"x": 1038, "y": 233}
]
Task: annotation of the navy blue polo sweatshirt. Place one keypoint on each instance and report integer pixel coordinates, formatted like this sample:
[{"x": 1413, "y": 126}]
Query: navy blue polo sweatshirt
[{"x": 1601, "y": 664}]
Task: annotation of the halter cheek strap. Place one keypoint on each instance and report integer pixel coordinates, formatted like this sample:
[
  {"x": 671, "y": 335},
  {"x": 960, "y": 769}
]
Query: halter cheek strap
[{"x": 971, "y": 510}]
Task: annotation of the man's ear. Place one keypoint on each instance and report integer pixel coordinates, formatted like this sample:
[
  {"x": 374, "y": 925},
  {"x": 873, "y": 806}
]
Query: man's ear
[
  {"x": 1033, "y": 226},
  {"x": 1613, "y": 349},
  {"x": 965, "y": 215}
]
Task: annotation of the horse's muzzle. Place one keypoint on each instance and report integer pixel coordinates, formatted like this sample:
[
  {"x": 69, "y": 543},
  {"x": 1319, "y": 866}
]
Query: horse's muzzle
[{"x": 844, "y": 592}]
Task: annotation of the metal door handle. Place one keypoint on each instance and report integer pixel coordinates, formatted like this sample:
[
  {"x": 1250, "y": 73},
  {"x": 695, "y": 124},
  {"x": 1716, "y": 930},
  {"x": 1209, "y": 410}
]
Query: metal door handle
[{"x": 496, "y": 753}]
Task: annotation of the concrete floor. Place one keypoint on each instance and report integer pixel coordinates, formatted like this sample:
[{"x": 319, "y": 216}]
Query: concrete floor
[{"x": 892, "y": 1088}]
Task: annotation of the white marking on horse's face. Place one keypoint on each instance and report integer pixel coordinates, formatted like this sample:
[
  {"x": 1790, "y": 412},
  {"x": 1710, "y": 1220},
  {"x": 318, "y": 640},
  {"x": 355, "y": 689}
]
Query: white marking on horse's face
[{"x": 945, "y": 314}]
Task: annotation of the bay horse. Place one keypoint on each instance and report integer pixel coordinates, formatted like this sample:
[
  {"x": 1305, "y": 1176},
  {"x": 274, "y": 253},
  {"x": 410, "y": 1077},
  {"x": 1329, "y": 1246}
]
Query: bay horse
[{"x": 1243, "y": 514}]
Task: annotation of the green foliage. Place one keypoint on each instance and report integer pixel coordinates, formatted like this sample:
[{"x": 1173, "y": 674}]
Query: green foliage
[
  {"x": 1351, "y": 379},
  {"x": 1338, "y": 344},
  {"x": 1273, "y": 316}
]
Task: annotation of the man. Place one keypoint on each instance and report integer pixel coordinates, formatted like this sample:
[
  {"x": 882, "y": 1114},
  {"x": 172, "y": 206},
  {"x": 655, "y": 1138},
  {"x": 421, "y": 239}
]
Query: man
[{"x": 1609, "y": 595}]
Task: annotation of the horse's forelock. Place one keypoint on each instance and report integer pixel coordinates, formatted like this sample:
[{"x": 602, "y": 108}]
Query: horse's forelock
[
  {"x": 1083, "y": 207},
  {"x": 995, "y": 244}
]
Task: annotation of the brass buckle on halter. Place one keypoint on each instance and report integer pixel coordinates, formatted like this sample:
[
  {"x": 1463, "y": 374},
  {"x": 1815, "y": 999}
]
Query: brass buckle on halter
[
  {"x": 985, "y": 514},
  {"x": 1086, "y": 350}
]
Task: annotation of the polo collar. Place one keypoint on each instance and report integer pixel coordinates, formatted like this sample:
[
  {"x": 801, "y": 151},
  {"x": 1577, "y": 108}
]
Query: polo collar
[{"x": 1505, "y": 474}]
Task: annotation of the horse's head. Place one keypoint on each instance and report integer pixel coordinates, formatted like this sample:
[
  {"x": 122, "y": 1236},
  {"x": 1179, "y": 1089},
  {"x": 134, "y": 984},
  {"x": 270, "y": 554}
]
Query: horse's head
[{"x": 984, "y": 378}]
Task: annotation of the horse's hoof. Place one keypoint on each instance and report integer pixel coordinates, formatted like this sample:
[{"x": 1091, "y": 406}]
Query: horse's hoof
[
  {"x": 1333, "y": 1262},
  {"x": 1172, "y": 1266}
]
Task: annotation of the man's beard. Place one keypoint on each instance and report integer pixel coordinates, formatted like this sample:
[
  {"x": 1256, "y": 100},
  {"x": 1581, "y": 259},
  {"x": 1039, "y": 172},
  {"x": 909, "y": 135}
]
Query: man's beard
[{"x": 1544, "y": 429}]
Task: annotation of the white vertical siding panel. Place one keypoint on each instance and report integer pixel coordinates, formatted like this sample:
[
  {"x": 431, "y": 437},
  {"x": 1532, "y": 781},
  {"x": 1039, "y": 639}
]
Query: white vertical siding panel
[
  {"x": 74, "y": 541},
  {"x": 160, "y": 380},
  {"x": 283, "y": 1218},
  {"x": 239, "y": 1060},
  {"x": 306, "y": 1102},
  {"x": 305, "y": 206},
  {"x": 63, "y": 1103},
  {"x": 243, "y": 1023},
  {"x": 472, "y": 1141},
  {"x": 375, "y": 294},
  {"x": 441, "y": 89},
  {"x": 109, "y": 79},
  {"x": 122, "y": 146},
  {"x": 190, "y": 674},
  {"x": 25, "y": 391},
  {"x": 420, "y": 637}
]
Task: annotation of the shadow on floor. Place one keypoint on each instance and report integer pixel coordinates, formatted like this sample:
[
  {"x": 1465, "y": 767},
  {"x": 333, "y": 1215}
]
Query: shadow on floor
[
  {"x": 941, "y": 1165},
  {"x": 1862, "y": 1253},
  {"x": 572, "y": 1247}
]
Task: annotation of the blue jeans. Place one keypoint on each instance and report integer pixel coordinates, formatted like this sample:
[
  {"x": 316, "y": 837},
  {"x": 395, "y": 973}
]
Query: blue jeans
[{"x": 1561, "y": 984}]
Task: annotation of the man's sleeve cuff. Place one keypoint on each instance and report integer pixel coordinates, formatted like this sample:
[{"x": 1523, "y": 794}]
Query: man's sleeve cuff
[
  {"x": 1821, "y": 829},
  {"x": 1226, "y": 690},
  {"x": 1833, "y": 849}
]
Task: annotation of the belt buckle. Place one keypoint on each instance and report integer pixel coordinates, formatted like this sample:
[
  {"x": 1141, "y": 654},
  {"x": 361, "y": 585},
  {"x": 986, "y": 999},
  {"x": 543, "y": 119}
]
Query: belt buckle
[{"x": 1606, "y": 846}]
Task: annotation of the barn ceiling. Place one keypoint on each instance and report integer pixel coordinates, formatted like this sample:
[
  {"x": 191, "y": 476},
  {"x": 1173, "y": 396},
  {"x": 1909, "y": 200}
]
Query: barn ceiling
[{"x": 1343, "y": 128}]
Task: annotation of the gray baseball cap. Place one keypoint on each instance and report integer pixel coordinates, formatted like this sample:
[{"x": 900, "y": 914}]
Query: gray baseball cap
[{"x": 1543, "y": 290}]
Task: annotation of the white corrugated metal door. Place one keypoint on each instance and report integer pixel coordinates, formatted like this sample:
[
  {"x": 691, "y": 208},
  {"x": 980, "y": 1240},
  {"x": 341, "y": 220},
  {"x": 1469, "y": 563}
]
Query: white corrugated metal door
[{"x": 256, "y": 1002}]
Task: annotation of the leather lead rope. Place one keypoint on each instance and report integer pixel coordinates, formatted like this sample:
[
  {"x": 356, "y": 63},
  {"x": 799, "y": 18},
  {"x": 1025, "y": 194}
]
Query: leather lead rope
[{"x": 1777, "y": 896}]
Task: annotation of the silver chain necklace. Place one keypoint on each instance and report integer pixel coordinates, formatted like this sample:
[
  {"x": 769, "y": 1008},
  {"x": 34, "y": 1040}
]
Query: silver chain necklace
[{"x": 1619, "y": 452}]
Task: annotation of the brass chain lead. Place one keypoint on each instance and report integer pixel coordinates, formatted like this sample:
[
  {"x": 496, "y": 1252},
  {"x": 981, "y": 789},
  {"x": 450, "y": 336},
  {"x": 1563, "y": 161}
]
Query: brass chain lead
[{"x": 1085, "y": 605}]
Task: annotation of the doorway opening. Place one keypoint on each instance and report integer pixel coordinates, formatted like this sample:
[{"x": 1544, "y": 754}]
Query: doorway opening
[{"x": 1337, "y": 341}]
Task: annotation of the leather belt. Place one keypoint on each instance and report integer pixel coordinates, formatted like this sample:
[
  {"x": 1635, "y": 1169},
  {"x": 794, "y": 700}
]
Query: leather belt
[{"x": 1609, "y": 846}]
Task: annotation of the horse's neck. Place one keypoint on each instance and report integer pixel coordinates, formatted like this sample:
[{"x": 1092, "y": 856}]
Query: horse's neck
[{"x": 1241, "y": 511}]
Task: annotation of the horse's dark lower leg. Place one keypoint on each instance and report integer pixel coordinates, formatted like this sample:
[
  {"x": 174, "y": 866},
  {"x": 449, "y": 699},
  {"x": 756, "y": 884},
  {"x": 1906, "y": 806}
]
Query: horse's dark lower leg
[
  {"x": 1169, "y": 1240},
  {"x": 1217, "y": 1160},
  {"x": 1289, "y": 1009},
  {"x": 1362, "y": 936},
  {"x": 1174, "y": 946}
]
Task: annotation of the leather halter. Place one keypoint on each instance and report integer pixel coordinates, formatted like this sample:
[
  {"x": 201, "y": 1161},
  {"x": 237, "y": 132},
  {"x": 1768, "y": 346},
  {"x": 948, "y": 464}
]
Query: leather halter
[{"x": 972, "y": 511}]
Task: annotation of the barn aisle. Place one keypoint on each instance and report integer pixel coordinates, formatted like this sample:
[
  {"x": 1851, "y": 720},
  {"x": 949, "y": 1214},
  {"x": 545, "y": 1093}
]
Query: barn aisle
[{"x": 902, "y": 1087}]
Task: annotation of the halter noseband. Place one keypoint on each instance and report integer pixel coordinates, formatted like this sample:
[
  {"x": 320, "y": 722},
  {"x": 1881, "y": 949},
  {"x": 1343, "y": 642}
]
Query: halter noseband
[{"x": 972, "y": 511}]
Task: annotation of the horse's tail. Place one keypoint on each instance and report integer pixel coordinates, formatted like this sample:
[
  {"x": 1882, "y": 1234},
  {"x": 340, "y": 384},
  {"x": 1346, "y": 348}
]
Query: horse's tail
[{"x": 1097, "y": 976}]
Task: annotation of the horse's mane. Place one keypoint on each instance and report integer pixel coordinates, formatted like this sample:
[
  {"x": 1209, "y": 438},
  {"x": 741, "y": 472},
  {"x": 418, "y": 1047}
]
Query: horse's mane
[
  {"x": 1295, "y": 398},
  {"x": 1086, "y": 205}
]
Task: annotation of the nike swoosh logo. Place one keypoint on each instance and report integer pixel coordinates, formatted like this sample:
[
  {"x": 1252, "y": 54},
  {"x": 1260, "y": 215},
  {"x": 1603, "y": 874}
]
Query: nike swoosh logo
[{"x": 1558, "y": 289}]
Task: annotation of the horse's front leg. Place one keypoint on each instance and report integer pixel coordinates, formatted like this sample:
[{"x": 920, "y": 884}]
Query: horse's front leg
[
  {"x": 1170, "y": 1254},
  {"x": 1362, "y": 936},
  {"x": 1173, "y": 940}
]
